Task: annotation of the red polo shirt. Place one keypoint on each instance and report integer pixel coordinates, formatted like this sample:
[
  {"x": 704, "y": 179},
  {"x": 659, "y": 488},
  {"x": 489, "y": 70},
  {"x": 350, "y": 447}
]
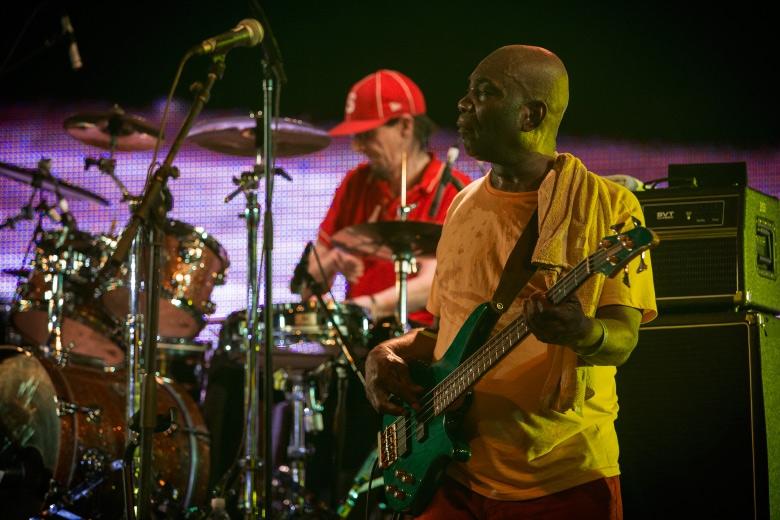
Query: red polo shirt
[{"x": 357, "y": 198}]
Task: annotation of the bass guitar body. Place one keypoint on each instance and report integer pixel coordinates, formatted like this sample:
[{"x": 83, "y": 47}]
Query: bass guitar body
[{"x": 415, "y": 449}]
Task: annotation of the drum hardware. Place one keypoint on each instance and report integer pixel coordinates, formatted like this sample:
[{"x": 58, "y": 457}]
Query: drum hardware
[
  {"x": 248, "y": 180},
  {"x": 23, "y": 273},
  {"x": 398, "y": 241},
  {"x": 305, "y": 417},
  {"x": 93, "y": 413},
  {"x": 192, "y": 265},
  {"x": 149, "y": 215},
  {"x": 115, "y": 131},
  {"x": 280, "y": 137},
  {"x": 54, "y": 308},
  {"x": 184, "y": 362},
  {"x": 65, "y": 427},
  {"x": 34, "y": 178},
  {"x": 107, "y": 165}
]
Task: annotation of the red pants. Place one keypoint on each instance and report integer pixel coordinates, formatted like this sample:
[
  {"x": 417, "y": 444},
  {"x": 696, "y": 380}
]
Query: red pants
[{"x": 596, "y": 500}]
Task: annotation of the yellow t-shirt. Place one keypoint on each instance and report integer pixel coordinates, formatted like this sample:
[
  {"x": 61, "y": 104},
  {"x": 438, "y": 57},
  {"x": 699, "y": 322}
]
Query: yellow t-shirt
[{"x": 521, "y": 450}]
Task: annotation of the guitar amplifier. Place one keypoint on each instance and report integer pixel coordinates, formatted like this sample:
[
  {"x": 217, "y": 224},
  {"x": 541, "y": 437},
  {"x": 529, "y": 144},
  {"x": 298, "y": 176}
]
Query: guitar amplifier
[
  {"x": 698, "y": 419},
  {"x": 718, "y": 248}
]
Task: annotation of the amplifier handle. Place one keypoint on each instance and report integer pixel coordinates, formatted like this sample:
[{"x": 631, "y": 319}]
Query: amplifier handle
[{"x": 765, "y": 247}]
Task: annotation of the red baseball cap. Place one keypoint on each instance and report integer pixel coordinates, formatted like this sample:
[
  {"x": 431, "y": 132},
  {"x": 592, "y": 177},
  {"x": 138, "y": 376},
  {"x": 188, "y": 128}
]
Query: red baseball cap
[{"x": 378, "y": 98}]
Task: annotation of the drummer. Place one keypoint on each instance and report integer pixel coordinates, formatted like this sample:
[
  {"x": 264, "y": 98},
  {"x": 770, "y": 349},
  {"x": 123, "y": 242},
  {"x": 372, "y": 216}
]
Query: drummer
[{"x": 385, "y": 115}]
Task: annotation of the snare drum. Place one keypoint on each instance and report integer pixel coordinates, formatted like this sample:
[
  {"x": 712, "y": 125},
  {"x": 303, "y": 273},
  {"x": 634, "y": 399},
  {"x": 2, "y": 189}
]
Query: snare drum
[
  {"x": 193, "y": 263},
  {"x": 74, "y": 418},
  {"x": 304, "y": 334},
  {"x": 76, "y": 257}
]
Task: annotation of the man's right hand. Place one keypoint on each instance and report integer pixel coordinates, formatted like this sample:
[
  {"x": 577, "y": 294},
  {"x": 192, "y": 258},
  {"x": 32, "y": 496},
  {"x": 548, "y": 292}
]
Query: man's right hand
[
  {"x": 388, "y": 382},
  {"x": 349, "y": 265}
]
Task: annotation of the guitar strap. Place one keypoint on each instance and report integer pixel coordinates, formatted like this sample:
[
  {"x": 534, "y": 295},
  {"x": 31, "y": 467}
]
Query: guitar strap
[{"x": 518, "y": 268}]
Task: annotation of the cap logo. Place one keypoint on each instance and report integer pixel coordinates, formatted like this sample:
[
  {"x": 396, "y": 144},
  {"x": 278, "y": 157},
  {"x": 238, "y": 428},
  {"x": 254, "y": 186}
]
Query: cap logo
[
  {"x": 350, "y": 107},
  {"x": 395, "y": 106}
]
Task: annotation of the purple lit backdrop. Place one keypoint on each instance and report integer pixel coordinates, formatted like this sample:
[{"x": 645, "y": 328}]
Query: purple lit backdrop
[{"x": 34, "y": 131}]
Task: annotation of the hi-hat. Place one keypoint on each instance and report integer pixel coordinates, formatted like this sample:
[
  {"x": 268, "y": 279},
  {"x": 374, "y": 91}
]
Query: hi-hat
[
  {"x": 113, "y": 130},
  {"x": 383, "y": 240},
  {"x": 46, "y": 181},
  {"x": 236, "y": 136}
]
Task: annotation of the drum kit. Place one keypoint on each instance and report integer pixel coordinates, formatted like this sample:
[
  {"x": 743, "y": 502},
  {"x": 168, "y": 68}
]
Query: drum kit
[{"x": 67, "y": 393}]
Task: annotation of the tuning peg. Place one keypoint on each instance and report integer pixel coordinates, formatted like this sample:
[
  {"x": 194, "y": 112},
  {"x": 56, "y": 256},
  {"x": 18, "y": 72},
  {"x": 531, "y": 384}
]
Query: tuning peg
[
  {"x": 642, "y": 265},
  {"x": 617, "y": 227}
]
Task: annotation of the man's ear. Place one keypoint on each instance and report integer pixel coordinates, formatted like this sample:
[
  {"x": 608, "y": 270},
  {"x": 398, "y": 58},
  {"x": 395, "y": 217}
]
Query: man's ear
[
  {"x": 537, "y": 111},
  {"x": 407, "y": 122}
]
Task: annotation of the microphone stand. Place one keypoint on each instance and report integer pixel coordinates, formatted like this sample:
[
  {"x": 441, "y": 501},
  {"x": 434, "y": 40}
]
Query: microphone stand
[
  {"x": 151, "y": 207},
  {"x": 269, "y": 83},
  {"x": 252, "y": 385}
]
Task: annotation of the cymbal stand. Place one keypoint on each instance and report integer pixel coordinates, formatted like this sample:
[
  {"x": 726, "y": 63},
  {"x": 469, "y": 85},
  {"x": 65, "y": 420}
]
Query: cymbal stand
[
  {"x": 27, "y": 212},
  {"x": 107, "y": 165},
  {"x": 56, "y": 276},
  {"x": 53, "y": 348},
  {"x": 404, "y": 265},
  {"x": 248, "y": 184},
  {"x": 297, "y": 450}
]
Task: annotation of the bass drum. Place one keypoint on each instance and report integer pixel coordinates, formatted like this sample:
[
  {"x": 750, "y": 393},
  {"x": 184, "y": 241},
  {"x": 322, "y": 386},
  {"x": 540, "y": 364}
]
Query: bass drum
[
  {"x": 193, "y": 263},
  {"x": 68, "y": 424}
]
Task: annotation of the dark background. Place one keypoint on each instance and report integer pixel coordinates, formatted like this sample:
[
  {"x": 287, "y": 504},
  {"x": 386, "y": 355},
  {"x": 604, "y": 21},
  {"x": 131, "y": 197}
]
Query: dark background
[{"x": 652, "y": 71}]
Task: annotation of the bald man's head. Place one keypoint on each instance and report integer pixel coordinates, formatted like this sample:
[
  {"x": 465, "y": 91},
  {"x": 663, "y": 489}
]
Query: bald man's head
[{"x": 538, "y": 73}]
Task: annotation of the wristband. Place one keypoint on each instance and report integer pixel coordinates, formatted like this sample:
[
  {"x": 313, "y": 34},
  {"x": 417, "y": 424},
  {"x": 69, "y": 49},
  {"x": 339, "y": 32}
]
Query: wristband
[{"x": 431, "y": 333}]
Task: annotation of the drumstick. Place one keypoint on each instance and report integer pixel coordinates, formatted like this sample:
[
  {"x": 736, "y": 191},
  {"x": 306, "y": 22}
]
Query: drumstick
[{"x": 403, "y": 181}]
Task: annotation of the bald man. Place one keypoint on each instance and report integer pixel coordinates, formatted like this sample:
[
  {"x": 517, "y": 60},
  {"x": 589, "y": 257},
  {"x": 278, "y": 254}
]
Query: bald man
[{"x": 540, "y": 422}]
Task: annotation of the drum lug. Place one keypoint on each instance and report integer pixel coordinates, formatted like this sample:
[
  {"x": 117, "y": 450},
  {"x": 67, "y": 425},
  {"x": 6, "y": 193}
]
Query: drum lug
[
  {"x": 190, "y": 250},
  {"x": 60, "y": 357},
  {"x": 93, "y": 413}
]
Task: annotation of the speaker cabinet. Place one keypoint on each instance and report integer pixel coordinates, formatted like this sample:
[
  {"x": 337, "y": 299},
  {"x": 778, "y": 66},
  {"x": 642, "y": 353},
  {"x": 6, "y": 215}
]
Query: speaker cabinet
[
  {"x": 699, "y": 418},
  {"x": 718, "y": 248}
]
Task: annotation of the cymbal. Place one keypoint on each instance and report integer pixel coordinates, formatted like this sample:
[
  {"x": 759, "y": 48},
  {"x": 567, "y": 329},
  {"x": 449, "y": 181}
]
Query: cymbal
[
  {"x": 236, "y": 136},
  {"x": 36, "y": 178},
  {"x": 384, "y": 239},
  {"x": 100, "y": 129},
  {"x": 28, "y": 405}
]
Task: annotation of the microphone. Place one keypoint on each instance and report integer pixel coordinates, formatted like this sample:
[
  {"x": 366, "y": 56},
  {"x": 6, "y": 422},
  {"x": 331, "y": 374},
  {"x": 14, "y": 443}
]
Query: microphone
[
  {"x": 247, "y": 33},
  {"x": 446, "y": 178},
  {"x": 301, "y": 276},
  {"x": 73, "y": 48}
]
